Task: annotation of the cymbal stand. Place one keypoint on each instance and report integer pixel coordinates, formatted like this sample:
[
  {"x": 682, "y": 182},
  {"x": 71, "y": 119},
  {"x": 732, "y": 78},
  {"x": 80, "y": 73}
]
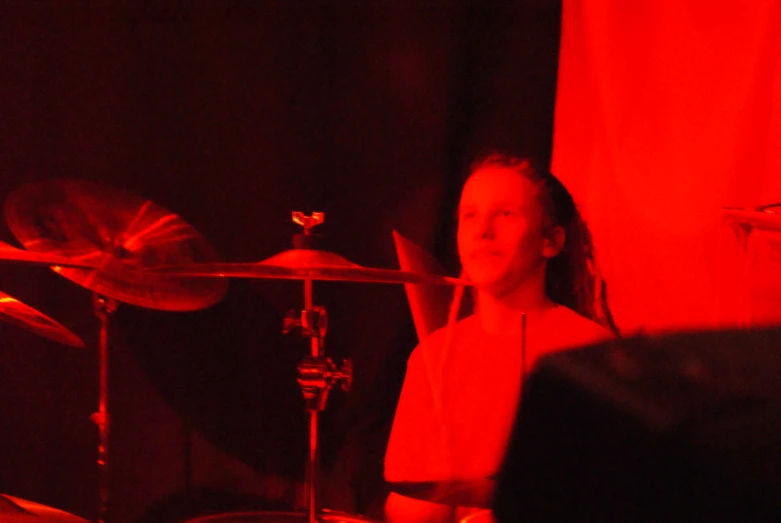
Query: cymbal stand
[
  {"x": 104, "y": 308},
  {"x": 317, "y": 374}
]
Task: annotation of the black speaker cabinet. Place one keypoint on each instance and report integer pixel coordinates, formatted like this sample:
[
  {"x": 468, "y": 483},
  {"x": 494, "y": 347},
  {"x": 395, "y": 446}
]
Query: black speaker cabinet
[{"x": 682, "y": 427}]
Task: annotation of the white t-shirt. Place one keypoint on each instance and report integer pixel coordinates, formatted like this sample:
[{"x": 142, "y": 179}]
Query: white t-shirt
[{"x": 458, "y": 402}]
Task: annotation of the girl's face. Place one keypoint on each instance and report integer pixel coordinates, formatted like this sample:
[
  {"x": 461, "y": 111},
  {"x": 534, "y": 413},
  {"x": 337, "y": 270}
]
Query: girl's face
[{"x": 501, "y": 230}]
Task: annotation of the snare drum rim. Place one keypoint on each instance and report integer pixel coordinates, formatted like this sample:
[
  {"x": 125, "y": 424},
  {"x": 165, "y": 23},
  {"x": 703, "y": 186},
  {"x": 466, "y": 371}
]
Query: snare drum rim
[
  {"x": 241, "y": 514},
  {"x": 210, "y": 518}
]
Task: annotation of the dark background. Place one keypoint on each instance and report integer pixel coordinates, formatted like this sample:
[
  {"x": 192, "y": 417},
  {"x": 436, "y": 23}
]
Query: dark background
[{"x": 232, "y": 115}]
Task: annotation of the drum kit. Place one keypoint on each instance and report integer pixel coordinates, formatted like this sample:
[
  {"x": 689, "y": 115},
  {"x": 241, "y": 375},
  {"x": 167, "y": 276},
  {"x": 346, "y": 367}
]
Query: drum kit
[{"x": 127, "y": 250}]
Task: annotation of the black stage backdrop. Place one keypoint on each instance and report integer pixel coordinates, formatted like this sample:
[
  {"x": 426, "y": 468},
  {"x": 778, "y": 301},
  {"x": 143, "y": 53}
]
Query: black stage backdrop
[{"x": 232, "y": 115}]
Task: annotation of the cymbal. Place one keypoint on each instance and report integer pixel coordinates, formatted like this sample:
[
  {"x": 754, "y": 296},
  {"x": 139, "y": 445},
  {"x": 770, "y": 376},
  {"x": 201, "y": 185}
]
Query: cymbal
[
  {"x": 17, "y": 510},
  {"x": 9, "y": 253},
  {"x": 429, "y": 305},
  {"x": 117, "y": 234},
  {"x": 768, "y": 219},
  {"x": 303, "y": 264},
  {"x": 476, "y": 493},
  {"x": 17, "y": 313}
]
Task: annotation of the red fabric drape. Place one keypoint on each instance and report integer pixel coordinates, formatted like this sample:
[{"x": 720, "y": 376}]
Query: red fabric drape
[{"x": 666, "y": 112}]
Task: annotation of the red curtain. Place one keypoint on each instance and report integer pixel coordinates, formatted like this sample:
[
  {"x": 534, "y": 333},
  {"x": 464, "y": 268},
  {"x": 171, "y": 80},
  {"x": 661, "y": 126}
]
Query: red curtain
[{"x": 667, "y": 112}]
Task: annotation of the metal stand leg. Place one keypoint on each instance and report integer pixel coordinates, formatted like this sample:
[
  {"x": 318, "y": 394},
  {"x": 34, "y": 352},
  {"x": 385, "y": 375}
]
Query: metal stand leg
[
  {"x": 104, "y": 308},
  {"x": 317, "y": 374}
]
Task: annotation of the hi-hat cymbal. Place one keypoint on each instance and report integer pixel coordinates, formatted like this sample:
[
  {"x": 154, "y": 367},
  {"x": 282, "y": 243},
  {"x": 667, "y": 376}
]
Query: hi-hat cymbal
[
  {"x": 9, "y": 253},
  {"x": 305, "y": 264},
  {"x": 119, "y": 235},
  {"x": 17, "y": 313}
]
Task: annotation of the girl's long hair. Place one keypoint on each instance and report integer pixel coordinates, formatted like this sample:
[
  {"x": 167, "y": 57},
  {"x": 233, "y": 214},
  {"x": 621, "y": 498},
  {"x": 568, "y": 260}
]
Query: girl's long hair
[{"x": 572, "y": 278}]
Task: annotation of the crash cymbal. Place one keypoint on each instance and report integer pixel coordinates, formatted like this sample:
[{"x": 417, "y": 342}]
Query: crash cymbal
[
  {"x": 429, "y": 305},
  {"x": 119, "y": 235},
  {"x": 768, "y": 218},
  {"x": 17, "y": 313},
  {"x": 303, "y": 264},
  {"x": 17, "y": 510},
  {"x": 9, "y": 253}
]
